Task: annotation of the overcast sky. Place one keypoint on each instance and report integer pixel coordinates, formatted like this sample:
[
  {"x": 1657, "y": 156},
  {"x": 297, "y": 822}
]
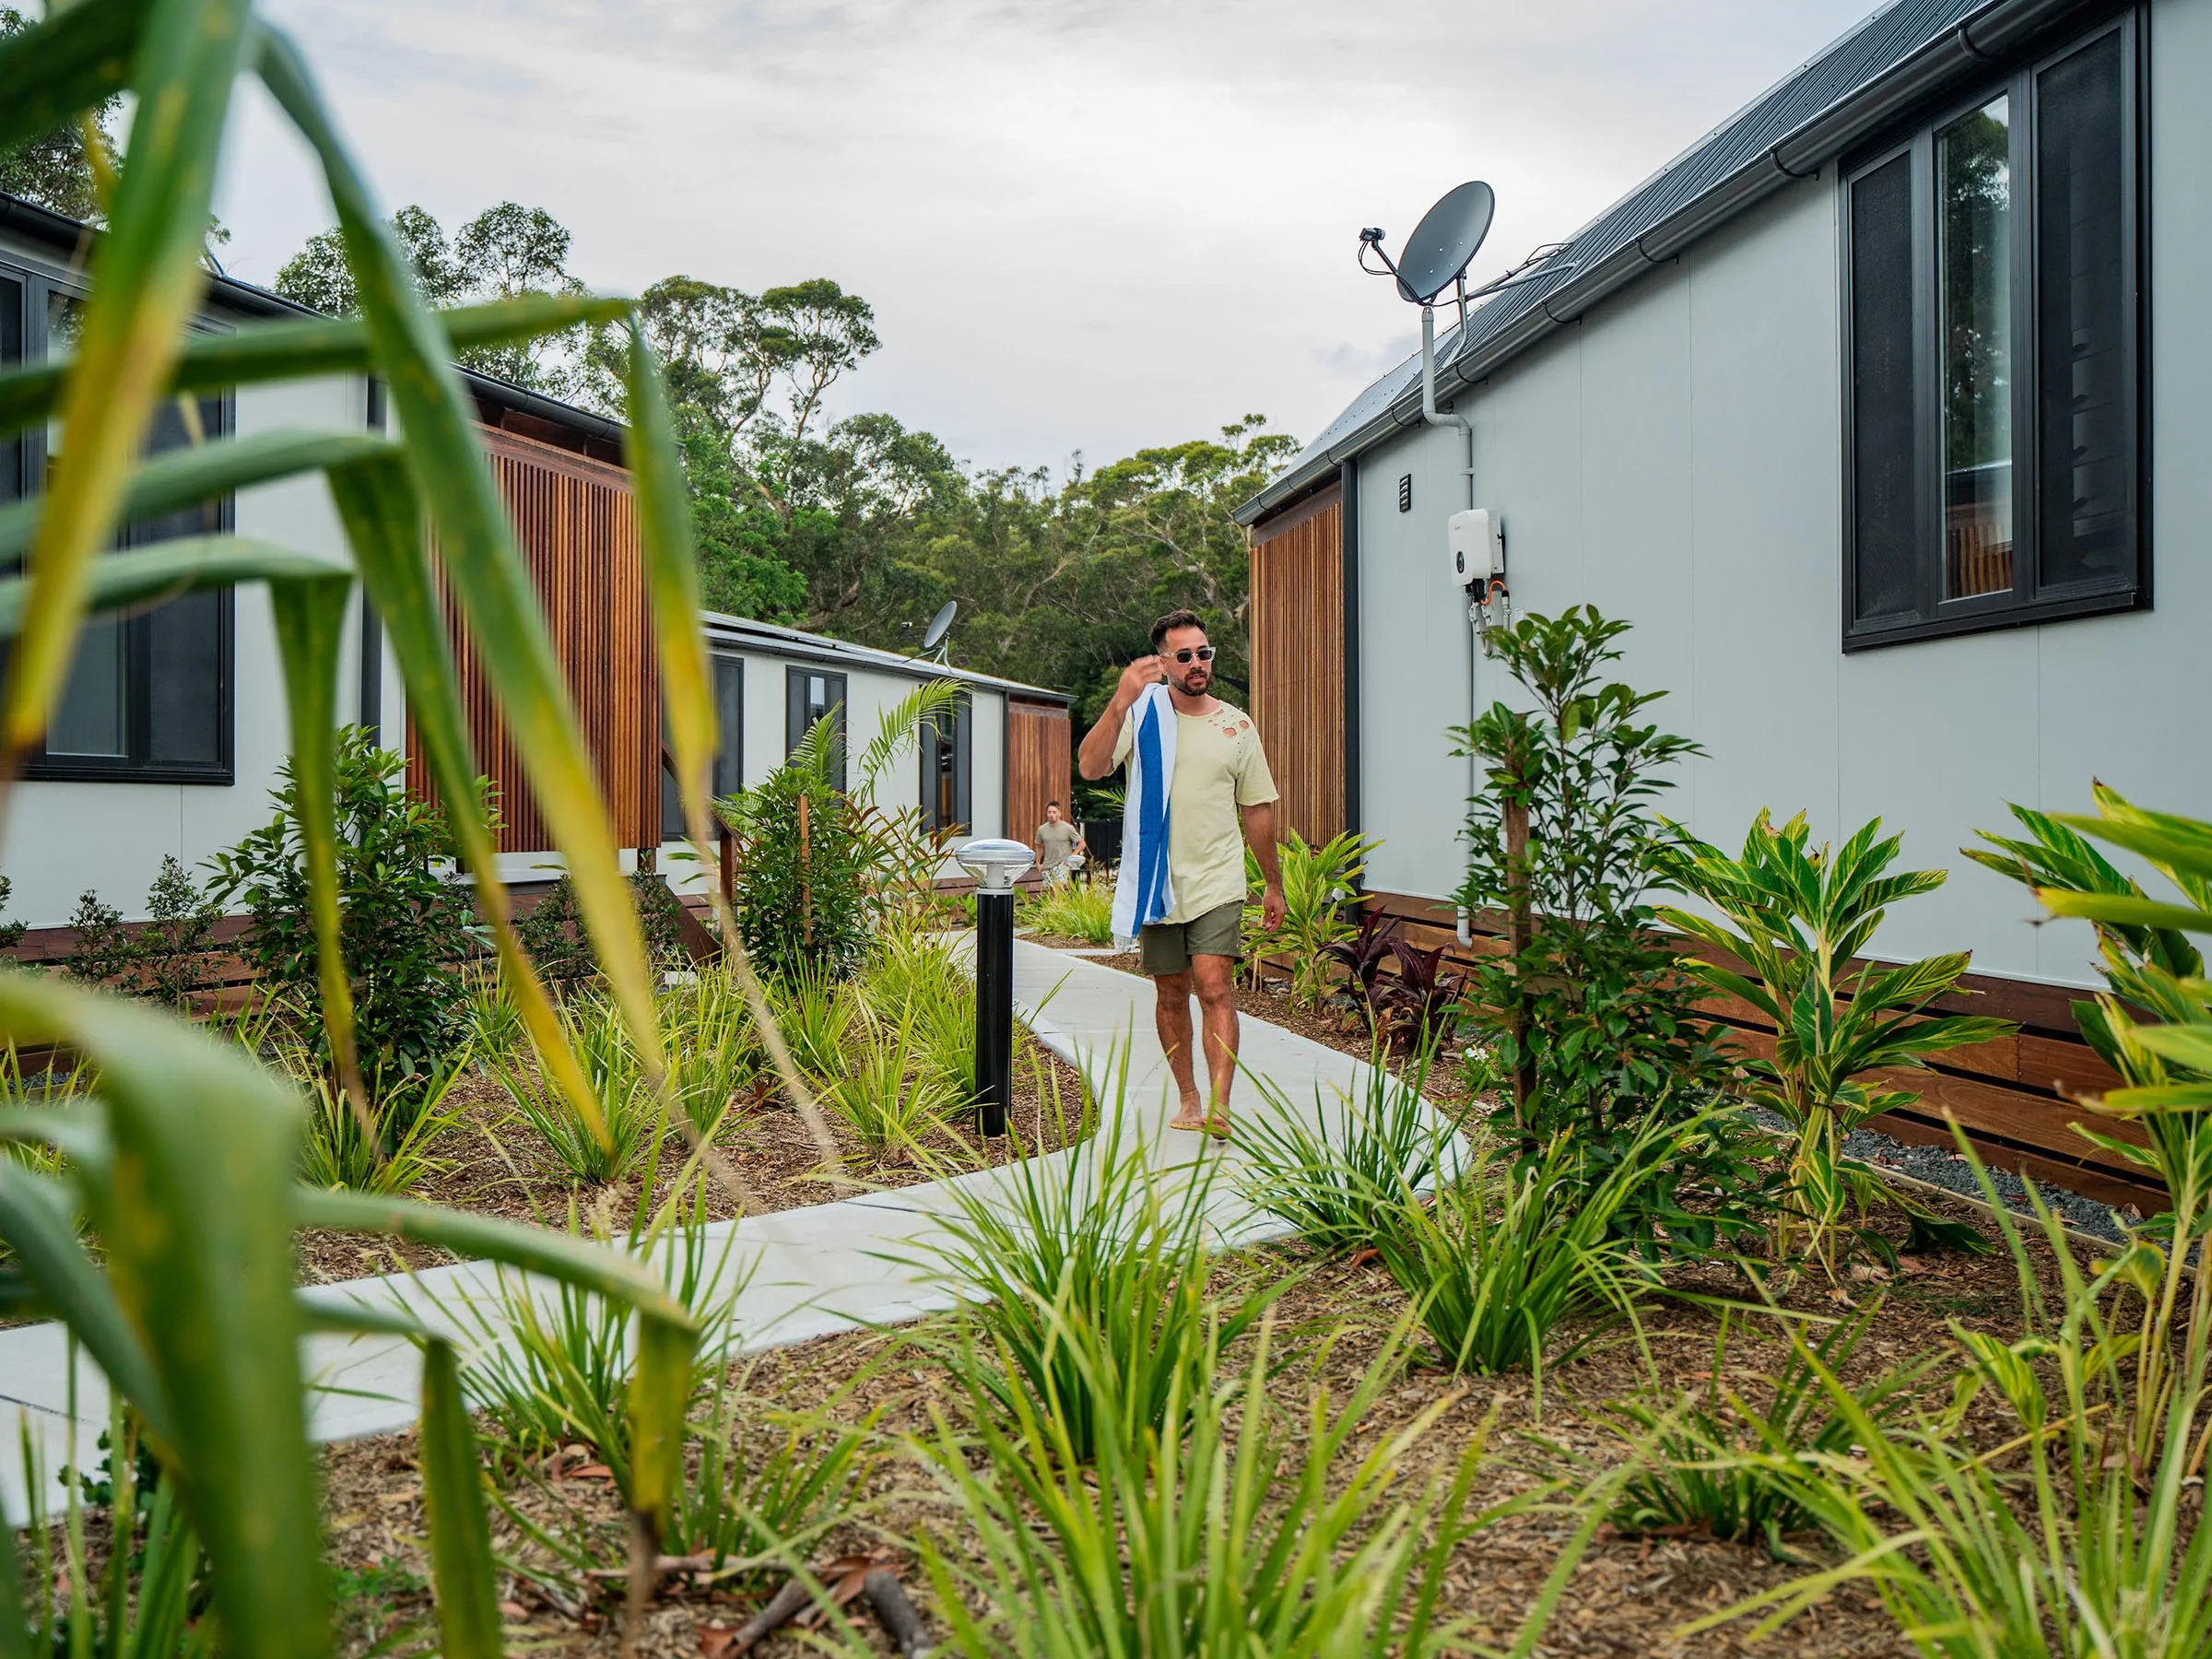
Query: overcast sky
[{"x": 1085, "y": 224}]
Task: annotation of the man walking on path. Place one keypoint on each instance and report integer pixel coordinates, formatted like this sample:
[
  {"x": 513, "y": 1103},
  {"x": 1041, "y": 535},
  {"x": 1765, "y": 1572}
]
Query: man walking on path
[
  {"x": 1057, "y": 841},
  {"x": 1219, "y": 771}
]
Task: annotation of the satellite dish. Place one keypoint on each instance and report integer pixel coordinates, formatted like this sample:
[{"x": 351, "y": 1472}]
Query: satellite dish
[
  {"x": 939, "y": 626},
  {"x": 1449, "y": 235}
]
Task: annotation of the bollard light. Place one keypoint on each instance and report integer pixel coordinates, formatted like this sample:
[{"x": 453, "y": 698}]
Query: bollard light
[{"x": 994, "y": 865}]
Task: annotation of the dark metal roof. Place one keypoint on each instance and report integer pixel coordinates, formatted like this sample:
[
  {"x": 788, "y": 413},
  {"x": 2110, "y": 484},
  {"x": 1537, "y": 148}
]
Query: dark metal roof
[
  {"x": 1904, "y": 53},
  {"x": 743, "y": 633},
  {"x": 66, "y": 237}
]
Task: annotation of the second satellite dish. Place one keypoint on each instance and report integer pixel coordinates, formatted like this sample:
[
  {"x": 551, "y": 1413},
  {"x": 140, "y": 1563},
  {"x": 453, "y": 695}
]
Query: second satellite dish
[
  {"x": 939, "y": 626},
  {"x": 1448, "y": 236}
]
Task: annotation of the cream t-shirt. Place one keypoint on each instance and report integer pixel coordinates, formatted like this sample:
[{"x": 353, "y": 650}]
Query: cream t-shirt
[{"x": 1219, "y": 766}]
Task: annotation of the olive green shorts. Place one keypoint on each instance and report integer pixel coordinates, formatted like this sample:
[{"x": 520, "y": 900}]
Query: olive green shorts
[{"x": 1168, "y": 947}]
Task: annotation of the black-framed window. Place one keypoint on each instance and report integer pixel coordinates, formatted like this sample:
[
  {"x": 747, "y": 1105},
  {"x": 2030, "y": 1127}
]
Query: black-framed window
[
  {"x": 728, "y": 776},
  {"x": 808, "y": 695},
  {"x": 948, "y": 769},
  {"x": 1995, "y": 361},
  {"x": 149, "y": 697}
]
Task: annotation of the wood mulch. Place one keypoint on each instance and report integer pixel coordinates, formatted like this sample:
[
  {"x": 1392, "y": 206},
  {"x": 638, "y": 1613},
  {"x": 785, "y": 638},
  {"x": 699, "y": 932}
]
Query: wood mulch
[
  {"x": 1630, "y": 1595},
  {"x": 495, "y": 1165}
]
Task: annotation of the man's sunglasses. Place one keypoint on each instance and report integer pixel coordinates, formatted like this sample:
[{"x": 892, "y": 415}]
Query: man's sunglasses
[{"x": 1204, "y": 653}]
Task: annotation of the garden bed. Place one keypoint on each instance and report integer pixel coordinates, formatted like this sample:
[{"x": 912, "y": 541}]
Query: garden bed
[
  {"x": 1627, "y": 1597},
  {"x": 495, "y": 1165}
]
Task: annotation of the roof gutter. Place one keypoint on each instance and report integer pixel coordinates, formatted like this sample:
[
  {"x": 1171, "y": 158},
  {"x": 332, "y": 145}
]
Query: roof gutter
[{"x": 1957, "y": 53}]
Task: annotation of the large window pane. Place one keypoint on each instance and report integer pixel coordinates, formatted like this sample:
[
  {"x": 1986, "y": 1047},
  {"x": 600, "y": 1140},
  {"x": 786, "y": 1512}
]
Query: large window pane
[
  {"x": 1973, "y": 278},
  {"x": 185, "y": 724},
  {"x": 11, "y": 352},
  {"x": 2086, "y": 413},
  {"x": 1884, "y": 530},
  {"x": 93, "y": 717}
]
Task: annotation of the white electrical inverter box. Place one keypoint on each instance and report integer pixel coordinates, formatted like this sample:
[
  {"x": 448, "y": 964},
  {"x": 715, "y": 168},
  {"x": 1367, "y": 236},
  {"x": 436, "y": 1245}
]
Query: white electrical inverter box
[{"x": 1477, "y": 544}]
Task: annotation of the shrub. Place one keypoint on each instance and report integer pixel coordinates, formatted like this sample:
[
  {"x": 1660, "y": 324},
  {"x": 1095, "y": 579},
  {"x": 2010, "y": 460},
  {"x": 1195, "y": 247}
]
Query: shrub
[
  {"x": 1334, "y": 1178},
  {"x": 2083, "y": 1553},
  {"x": 359, "y": 1147},
  {"x": 405, "y": 926},
  {"x": 163, "y": 959},
  {"x": 1797, "y": 917},
  {"x": 2153, "y": 1027},
  {"x": 553, "y": 933},
  {"x": 1221, "y": 1524},
  {"x": 1318, "y": 883},
  {"x": 1710, "y": 1461},
  {"x": 1587, "y": 1014},
  {"x": 628, "y": 1108},
  {"x": 1078, "y": 908},
  {"x": 11, "y": 933},
  {"x": 1504, "y": 1255},
  {"x": 885, "y": 1092},
  {"x": 1094, "y": 1287},
  {"x": 559, "y": 1367}
]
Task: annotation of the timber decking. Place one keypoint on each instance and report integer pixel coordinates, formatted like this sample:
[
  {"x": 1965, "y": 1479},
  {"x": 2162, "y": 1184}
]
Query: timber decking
[{"x": 2009, "y": 1095}]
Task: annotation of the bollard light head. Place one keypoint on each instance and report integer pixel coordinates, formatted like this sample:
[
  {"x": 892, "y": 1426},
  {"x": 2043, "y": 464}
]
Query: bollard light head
[{"x": 995, "y": 864}]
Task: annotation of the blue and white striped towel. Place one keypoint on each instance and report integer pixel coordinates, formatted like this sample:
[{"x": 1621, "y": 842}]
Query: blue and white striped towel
[{"x": 1141, "y": 892}]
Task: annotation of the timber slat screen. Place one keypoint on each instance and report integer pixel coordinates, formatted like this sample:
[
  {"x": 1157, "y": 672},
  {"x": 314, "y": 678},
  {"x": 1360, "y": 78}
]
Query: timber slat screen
[
  {"x": 2006, "y": 1095},
  {"x": 1297, "y": 631},
  {"x": 1038, "y": 747},
  {"x": 575, "y": 520}
]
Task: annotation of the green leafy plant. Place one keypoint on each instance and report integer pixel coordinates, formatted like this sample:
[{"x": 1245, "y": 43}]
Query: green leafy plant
[
  {"x": 2154, "y": 1028},
  {"x": 1334, "y": 1173},
  {"x": 815, "y": 1018},
  {"x": 631, "y": 1123},
  {"x": 1587, "y": 1014},
  {"x": 185, "y": 1171},
  {"x": 715, "y": 1056},
  {"x": 2080, "y": 1553},
  {"x": 768, "y": 1484},
  {"x": 557, "y": 1363},
  {"x": 1797, "y": 917},
  {"x": 147, "y": 1596},
  {"x": 11, "y": 933},
  {"x": 164, "y": 958},
  {"x": 1094, "y": 1292},
  {"x": 817, "y": 863},
  {"x": 886, "y": 1092},
  {"x": 1705, "y": 1460},
  {"x": 1221, "y": 1524},
  {"x": 363, "y": 1148},
  {"x": 1078, "y": 908},
  {"x": 554, "y": 934},
  {"x": 1318, "y": 883},
  {"x": 1504, "y": 1255},
  {"x": 405, "y": 926}
]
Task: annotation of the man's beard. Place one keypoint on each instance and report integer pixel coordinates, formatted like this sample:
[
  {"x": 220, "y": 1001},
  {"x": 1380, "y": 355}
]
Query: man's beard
[{"x": 1193, "y": 684}]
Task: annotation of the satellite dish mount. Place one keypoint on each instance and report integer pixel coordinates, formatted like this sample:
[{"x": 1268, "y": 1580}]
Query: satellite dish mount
[{"x": 940, "y": 628}]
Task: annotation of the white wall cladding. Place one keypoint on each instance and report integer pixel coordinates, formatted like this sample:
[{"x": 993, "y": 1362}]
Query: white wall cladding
[
  {"x": 1675, "y": 460},
  {"x": 63, "y": 838}
]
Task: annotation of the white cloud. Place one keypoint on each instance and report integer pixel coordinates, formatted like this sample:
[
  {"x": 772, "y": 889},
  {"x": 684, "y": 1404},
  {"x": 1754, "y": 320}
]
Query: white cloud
[{"x": 1083, "y": 226}]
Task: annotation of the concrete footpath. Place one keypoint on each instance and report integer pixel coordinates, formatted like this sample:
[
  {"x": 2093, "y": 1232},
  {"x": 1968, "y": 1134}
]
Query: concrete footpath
[{"x": 797, "y": 1274}]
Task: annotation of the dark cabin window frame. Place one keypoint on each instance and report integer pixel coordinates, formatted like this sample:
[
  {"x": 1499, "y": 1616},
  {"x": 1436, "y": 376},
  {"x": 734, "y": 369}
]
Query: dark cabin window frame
[
  {"x": 23, "y": 471},
  {"x": 947, "y": 746},
  {"x": 801, "y": 709},
  {"x": 2028, "y": 600}
]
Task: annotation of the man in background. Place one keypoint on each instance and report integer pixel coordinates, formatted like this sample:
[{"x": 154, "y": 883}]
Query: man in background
[
  {"x": 1056, "y": 843},
  {"x": 1220, "y": 776}
]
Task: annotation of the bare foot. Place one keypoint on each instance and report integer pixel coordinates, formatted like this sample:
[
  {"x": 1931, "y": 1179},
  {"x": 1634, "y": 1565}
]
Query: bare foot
[{"x": 1190, "y": 1117}]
